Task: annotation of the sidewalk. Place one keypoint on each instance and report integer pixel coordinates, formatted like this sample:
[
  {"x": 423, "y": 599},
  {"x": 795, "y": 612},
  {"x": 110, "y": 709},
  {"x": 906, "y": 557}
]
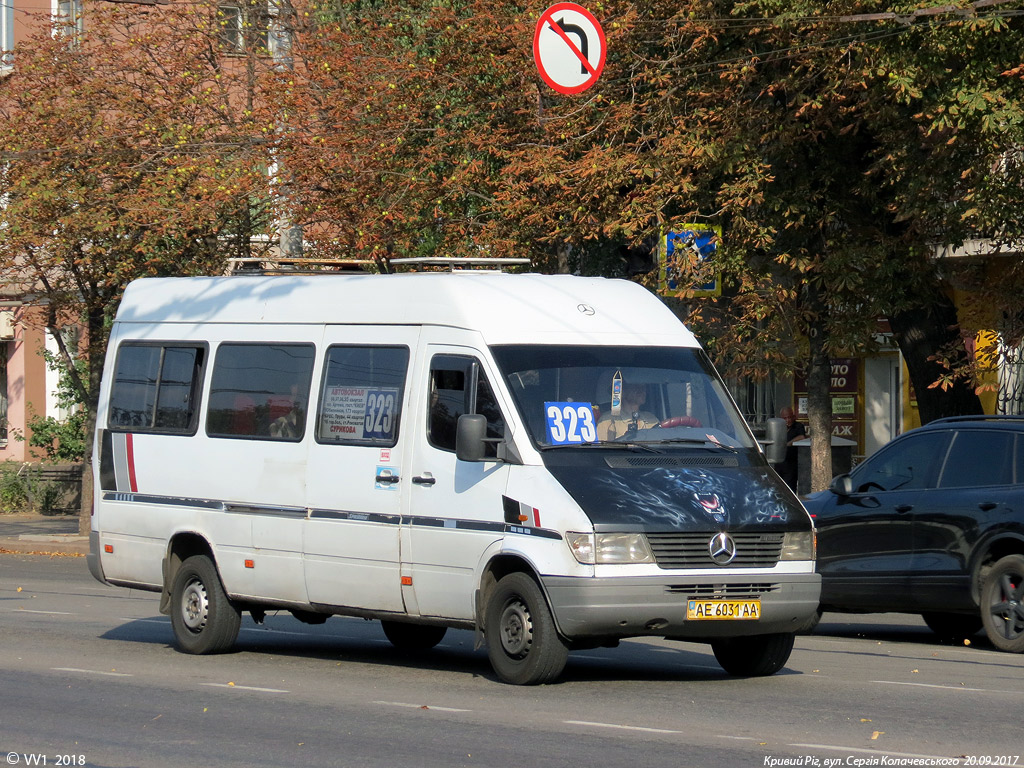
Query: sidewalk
[{"x": 42, "y": 535}]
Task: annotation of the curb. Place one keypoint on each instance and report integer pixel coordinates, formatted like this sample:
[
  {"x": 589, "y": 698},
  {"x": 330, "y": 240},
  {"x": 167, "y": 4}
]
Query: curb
[{"x": 56, "y": 545}]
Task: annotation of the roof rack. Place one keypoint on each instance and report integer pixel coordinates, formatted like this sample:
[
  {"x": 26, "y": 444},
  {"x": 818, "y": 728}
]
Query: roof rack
[
  {"x": 979, "y": 417},
  {"x": 459, "y": 261},
  {"x": 276, "y": 265}
]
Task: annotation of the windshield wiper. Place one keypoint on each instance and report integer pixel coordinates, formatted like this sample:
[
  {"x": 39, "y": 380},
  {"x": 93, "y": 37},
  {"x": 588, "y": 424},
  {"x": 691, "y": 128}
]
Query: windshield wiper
[
  {"x": 697, "y": 441},
  {"x": 604, "y": 444}
]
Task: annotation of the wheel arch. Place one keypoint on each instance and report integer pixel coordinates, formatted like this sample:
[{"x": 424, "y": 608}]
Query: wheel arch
[
  {"x": 180, "y": 547},
  {"x": 498, "y": 567},
  {"x": 991, "y": 552}
]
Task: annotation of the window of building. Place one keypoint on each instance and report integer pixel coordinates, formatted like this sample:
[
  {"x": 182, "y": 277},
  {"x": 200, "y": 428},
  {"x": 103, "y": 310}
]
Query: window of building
[
  {"x": 156, "y": 388},
  {"x": 3, "y": 393},
  {"x": 246, "y": 27},
  {"x": 69, "y": 20},
  {"x": 6, "y": 33},
  {"x": 457, "y": 386},
  {"x": 260, "y": 391},
  {"x": 361, "y": 397}
]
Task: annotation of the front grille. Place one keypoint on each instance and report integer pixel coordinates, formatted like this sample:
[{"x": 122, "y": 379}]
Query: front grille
[
  {"x": 750, "y": 591},
  {"x": 690, "y": 550}
]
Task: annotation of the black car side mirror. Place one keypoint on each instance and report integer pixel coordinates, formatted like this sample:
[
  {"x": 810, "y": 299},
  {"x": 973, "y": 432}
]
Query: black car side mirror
[{"x": 841, "y": 485}]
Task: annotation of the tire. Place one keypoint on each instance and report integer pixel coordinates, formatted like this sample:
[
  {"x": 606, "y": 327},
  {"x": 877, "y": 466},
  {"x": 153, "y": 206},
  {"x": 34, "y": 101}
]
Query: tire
[
  {"x": 203, "y": 618},
  {"x": 522, "y": 642},
  {"x": 413, "y": 637},
  {"x": 1002, "y": 604},
  {"x": 953, "y": 627},
  {"x": 754, "y": 656}
]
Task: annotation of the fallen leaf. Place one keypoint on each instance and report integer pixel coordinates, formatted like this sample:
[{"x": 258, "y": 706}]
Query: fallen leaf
[
  {"x": 915, "y": 671},
  {"x": 19, "y": 589},
  {"x": 876, "y": 734},
  {"x": 865, "y": 720},
  {"x": 966, "y": 641}
]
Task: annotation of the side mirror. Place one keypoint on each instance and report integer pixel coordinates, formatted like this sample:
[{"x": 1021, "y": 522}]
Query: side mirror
[
  {"x": 841, "y": 485},
  {"x": 471, "y": 437},
  {"x": 775, "y": 441}
]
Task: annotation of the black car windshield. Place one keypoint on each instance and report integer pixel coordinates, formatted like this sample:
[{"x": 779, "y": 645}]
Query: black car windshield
[{"x": 666, "y": 396}]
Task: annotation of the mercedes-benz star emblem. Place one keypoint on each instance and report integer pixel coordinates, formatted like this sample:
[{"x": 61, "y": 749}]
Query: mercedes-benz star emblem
[{"x": 722, "y": 548}]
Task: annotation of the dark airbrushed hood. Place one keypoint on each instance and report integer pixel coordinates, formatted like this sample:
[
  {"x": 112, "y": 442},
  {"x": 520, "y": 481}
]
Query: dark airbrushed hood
[{"x": 672, "y": 497}]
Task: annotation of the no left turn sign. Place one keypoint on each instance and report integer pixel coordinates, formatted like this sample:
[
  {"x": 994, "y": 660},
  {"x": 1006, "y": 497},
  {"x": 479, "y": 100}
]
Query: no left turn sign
[{"x": 569, "y": 48}]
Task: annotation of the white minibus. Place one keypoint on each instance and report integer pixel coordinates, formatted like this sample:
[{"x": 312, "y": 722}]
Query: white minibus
[{"x": 549, "y": 461}]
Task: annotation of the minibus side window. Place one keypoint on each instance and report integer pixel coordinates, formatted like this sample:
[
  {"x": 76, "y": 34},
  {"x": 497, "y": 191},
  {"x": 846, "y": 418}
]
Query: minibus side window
[
  {"x": 156, "y": 388},
  {"x": 361, "y": 396},
  {"x": 260, "y": 391},
  {"x": 457, "y": 386}
]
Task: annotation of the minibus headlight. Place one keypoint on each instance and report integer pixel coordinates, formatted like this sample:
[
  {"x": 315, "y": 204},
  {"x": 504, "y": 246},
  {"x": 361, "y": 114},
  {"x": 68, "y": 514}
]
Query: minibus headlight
[
  {"x": 798, "y": 545},
  {"x": 605, "y": 548}
]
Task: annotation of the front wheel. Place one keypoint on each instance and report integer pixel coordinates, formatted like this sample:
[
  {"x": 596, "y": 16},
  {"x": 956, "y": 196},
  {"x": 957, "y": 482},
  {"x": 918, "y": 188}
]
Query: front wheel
[
  {"x": 203, "y": 618},
  {"x": 522, "y": 643},
  {"x": 754, "y": 656},
  {"x": 1002, "y": 604}
]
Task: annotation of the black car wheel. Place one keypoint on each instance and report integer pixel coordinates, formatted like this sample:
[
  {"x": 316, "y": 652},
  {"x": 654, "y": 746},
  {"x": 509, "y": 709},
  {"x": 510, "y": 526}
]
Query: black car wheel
[
  {"x": 413, "y": 637},
  {"x": 203, "y": 618},
  {"x": 953, "y": 627},
  {"x": 1002, "y": 604},
  {"x": 522, "y": 642},
  {"x": 754, "y": 656}
]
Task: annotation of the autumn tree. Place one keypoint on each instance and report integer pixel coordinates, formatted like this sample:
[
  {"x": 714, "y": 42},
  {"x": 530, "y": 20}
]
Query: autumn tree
[{"x": 133, "y": 149}]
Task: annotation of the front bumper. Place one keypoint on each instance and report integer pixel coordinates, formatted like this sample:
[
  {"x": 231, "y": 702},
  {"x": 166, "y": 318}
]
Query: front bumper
[{"x": 655, "y": 606}]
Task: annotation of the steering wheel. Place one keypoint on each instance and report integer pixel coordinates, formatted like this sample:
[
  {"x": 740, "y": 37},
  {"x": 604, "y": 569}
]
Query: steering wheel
[{"x": 680, "y": 421}]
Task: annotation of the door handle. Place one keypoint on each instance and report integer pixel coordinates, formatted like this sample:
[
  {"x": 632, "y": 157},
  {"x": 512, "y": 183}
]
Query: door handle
[
  {"x": 387, "y": 479},
  {"x": 985, "y": 506},
  {"x": 904, "y": 507},
  {"x": 426, "y": 479}
]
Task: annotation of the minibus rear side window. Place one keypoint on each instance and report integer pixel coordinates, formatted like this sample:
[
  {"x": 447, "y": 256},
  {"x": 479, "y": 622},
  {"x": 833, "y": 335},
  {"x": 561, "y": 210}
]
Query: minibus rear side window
[
  {"x": 260, "y": 391},
  {"x": 156, "y": 388},
  {"x": 361, "y": 396}
]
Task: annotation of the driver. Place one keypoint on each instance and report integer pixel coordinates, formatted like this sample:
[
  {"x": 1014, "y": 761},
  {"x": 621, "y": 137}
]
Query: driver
[{"x": 630, "y": 416}]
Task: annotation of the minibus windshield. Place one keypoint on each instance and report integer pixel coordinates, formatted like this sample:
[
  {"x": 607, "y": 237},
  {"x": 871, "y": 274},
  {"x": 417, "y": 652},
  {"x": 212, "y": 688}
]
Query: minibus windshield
[{"x": 580, "y": 395}]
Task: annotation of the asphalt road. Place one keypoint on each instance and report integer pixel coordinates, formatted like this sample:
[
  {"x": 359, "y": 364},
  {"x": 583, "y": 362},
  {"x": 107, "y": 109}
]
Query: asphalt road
[{"x": 90, "y": 677}]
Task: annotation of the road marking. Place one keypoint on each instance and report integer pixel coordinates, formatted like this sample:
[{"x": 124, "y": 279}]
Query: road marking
[
  {"x": 90, "y": 671},
  {"x": 620, "y": 727},
  {"x": 944, "y": 687},
  {"x": 244, "y": 687},
  {"x": 420, "y": 706},
  {"x": 48, "y": 613},
  {"x": 835, "y": 748}
]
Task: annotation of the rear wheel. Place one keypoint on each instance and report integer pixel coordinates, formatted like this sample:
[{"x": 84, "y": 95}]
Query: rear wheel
[
  {"x": 522, "y": 643},
  {"x": 203, "y": 618},
  {"x": 1002, "y": 604},
  {"x": 413, "y": 637},
  {"x": 754, "y": 656},
  {"x": 953, "y": 627}
]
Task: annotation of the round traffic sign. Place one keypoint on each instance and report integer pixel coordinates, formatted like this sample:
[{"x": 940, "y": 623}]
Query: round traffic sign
[{"x": 569, "y": 48}]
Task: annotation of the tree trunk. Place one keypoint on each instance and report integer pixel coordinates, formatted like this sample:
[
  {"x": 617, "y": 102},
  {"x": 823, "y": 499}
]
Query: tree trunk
[
  {"x": 97, "y": 343},
  {"x": 819, "y": 410},
  {"x": 921, "y": 333}
]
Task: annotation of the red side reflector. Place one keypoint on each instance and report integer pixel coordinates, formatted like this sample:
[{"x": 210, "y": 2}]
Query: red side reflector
[
  {"x": 250, "y": 563},
  {"x": 407, "y": 581},
  {"x": 108, "y": 548}
]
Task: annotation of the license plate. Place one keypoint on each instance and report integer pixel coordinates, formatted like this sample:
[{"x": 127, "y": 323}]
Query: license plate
[{"x": 723, "y": 609}]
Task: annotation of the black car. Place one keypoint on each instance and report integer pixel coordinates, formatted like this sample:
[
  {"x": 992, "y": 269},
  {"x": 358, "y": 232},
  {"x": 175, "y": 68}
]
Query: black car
[{"x": 933, "y": 523}]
